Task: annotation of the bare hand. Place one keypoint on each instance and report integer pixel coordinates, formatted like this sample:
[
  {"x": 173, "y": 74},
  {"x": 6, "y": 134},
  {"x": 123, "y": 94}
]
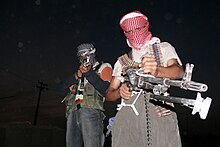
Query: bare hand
[
  {"x": 149, "y": 65},
  {"x": 162, "y": 111},
  {"x": 84, "y": 69},
  {"x": 124, "y": 91},
  {"x": 78, "y": 74},
  {"x": 72, "y": 88}
]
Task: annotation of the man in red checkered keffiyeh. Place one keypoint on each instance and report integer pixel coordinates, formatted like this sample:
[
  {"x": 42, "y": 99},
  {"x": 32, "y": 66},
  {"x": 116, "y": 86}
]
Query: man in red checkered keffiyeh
[
  {"x": 135, "y": 26},
  {"x": 142, "y": 121}
]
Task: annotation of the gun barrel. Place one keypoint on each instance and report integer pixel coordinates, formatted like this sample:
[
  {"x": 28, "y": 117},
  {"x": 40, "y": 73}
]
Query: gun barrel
[
  {"x": 194, "y": 86},
  {"x": 175, "y": 83},
  {"x": 176, "y": 100},
  {"x": 188, "y": 85}
]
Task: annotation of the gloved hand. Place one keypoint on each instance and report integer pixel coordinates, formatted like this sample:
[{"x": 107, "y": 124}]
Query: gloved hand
[{"x": 110, "y": 123}]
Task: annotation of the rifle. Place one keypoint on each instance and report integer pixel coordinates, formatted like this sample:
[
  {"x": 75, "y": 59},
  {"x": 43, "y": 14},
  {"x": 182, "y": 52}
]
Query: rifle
[{"x": 137, "y": 80}]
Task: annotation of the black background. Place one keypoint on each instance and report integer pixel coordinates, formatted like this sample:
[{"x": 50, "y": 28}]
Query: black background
[{"x": 38, "y": 42}]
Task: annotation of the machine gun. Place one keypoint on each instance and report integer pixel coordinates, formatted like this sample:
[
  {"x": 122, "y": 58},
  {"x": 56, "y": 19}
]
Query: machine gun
[{"x": 138, "y": 80}]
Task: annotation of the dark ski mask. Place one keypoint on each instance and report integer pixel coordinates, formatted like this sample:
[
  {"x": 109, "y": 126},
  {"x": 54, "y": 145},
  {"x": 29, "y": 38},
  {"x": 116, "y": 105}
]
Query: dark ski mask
[{"x": 86, "y": 54}]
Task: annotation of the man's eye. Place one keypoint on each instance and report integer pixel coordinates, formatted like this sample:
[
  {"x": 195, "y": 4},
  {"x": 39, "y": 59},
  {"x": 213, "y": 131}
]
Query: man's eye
[
  {"x": 128, "y": 32},
  {"x": 135, "y": 30}
]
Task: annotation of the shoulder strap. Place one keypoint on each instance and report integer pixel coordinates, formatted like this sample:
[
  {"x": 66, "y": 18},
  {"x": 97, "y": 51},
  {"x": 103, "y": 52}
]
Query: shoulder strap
[
  {"x": 125, "y": 60},
  {"x": 130, "y": 54}
]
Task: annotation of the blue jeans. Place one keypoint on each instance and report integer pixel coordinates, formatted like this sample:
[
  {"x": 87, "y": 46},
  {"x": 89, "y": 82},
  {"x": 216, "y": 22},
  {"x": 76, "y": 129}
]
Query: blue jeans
[{"x": 85, "y": 126}]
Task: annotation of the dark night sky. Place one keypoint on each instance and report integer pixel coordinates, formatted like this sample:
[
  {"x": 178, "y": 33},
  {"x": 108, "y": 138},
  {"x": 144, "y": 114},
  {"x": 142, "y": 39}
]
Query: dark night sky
[{"x": 38, "y": 41}]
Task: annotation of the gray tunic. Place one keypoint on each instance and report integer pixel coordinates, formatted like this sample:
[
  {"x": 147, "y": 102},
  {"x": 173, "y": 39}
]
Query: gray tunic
[{"x": 145, "y": 129}]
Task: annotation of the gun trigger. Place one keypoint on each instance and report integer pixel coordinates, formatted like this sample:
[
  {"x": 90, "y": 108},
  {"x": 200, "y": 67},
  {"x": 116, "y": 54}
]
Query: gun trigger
[{"x": 129, "y": 86}]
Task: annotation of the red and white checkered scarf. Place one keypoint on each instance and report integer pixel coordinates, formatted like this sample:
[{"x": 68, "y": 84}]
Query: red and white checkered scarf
[{"x": 132, "y": 21}]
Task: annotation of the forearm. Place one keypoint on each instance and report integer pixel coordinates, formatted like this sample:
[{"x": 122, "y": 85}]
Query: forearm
[
  {"x": 174, "y": 71},
  {"x": 99, "y": 84},
  {"x": 63, "y": 87},
  {"x": 69, "y": 81},
  {"x": 112, "y": 94}
]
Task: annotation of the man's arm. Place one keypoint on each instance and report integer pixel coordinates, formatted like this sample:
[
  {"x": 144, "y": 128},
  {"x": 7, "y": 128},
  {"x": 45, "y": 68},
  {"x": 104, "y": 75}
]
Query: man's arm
[
  {"x": 113, "y": 91},
  {"x": 99, "y": 84},
  {"x": 172, "y": 71},
  {"x": 117, "y": 90},
  {"x": 63, "y": 87}
]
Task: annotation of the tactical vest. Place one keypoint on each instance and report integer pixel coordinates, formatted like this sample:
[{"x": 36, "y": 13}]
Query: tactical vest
[{"x": 91, "y": 98}]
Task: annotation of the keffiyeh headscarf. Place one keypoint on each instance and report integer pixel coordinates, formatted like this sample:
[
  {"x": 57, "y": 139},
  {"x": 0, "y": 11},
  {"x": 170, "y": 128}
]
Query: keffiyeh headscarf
[{"x": 135, "y": 26}]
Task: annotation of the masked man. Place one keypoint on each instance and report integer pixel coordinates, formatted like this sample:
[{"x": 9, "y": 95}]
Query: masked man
[
  {"x": 84, "y": 102},
  {"x": 141, "y": 120}
]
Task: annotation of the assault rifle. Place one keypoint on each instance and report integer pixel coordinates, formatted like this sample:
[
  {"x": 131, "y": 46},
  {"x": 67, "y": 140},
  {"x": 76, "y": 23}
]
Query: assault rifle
[{"x": 138, "y": 80}]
